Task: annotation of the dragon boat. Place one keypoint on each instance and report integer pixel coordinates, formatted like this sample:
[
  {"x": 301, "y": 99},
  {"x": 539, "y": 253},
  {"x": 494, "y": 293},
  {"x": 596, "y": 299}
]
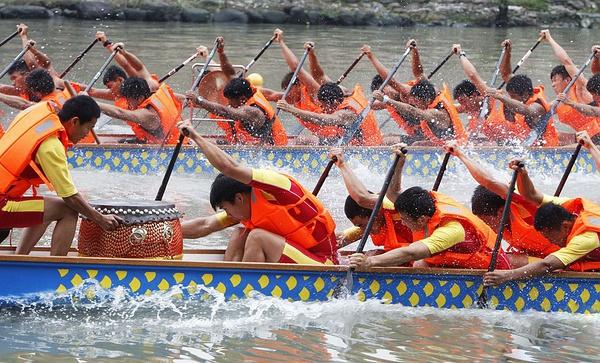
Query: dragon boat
[
  {"x": 308, "y": 160},
  {"x": 200, "y": 272}
]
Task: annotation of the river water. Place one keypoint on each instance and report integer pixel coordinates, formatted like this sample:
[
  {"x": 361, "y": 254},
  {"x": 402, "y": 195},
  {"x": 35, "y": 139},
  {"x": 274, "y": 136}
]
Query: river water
[{"x": 158, "y": 328}]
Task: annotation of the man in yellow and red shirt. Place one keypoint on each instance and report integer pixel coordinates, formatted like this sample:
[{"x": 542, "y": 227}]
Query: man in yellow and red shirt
[{"x": 284, "y": 222}]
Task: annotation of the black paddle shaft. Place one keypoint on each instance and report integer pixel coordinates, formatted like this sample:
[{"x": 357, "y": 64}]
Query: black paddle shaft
[
  {"x": 9, "y": 38},
  {"x": 438, "y": 179},
  {"x": 439, "y": 66},
  {"x": 570, "y": 165},
  {"x": 176, "y": 69},
  {"x": 522, "y": 60},
  {"x": 19, "y": 56},
  {"x": 350, "y": 68},
  {"x": 262, "y": 51},
  {"x": 79, "y": 57},
  {"x": 101, "y": 70},
  {"x": 482, "y": 300}
]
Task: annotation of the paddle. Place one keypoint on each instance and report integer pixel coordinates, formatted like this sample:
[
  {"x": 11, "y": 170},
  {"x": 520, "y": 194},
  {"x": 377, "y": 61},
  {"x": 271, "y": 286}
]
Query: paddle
[
  {"x": 350, "y": 68},
  {"x": 374, "y": 213},
  {"x": 356, "y": 124},
  {"x": 523, "y": 59},
  {"x": 539, "y": 129},
  {"x": 269, "y": 124},
  {"x": 439, "y": 66},
  {"x": 176, "y": 69},
  {"x": 169, "y": 171},
  {"x": 565, "y": 176},
  {"x": 79, "y": 57},
  {"x": 264, "y": 49},
  {"x": 8, "y": 39},
  {"x": 482, "y": 299},
  {"x": 73, "y": 94},
  {"x": 19, "y": 56},
  {"x": 483, "y": 112},
  {"x": 438, "y": 179},
  {"x": 101, "y": 70}
]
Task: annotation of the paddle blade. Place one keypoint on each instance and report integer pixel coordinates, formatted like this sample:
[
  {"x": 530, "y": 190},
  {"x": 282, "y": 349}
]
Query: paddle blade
[{"x": 482, "y": 302}]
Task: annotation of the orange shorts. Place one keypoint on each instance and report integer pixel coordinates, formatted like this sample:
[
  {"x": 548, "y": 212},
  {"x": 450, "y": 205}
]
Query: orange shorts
[{"x": 21, "y": 212}]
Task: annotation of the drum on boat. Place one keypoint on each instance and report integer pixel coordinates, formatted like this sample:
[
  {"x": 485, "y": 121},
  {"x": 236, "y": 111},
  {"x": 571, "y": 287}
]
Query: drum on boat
[{"x": 151, "y": 229}]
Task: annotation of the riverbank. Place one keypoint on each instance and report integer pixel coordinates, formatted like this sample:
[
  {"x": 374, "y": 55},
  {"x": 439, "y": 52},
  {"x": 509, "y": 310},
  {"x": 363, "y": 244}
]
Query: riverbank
[{"x": 456, "y": 13}]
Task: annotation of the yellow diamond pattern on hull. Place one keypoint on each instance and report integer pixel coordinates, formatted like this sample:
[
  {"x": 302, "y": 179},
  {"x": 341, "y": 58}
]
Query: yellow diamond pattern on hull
[
  {"x": 135, "y": 284},
  {"x": 263, "y": 281},
  {"x": 291, "y": 283},
  {"x": 150, "y": 276},
  {"x": 207, "y": 279},
  {"x": 178, "y": 277},
  {"x": 76, "y": 280},
  {"x": 106, "y": 282},
  {"x": 62, "y": 272}
]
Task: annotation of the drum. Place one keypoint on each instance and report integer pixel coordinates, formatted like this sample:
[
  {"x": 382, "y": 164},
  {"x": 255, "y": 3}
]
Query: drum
[
  {"x": 151, "y": 229},
  {"x": 212, "y": 85}
]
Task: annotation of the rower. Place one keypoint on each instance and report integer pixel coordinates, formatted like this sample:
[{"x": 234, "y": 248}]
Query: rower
[
  {"x": 39, "y": 86},
  {"x": 284, "y": 221},
  {"x": 487, "y": 203},
  {"x": 524, "y": 106},
  {"x": 584, "y": 138},
  {"x": 387, "y": 231},
  {"x": 560, "y": 76},
  {"x": 590, "y": 110},
  {"x": 33, "y": 152},
  {"x": 446, "y": 234},
  {"x": 571, "y": 224}
]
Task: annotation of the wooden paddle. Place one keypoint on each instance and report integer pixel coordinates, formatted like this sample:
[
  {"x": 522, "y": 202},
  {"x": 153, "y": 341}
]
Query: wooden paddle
[
  {"x": 101, "y": 70},
  {"x": 264, "y": 49},
  {"x": 79, "y": 57},
  {"x": 440, "y": 175},
  {"x": 176, "y": 69},
  {"x": 482, "y": 299},
  {"x": 356, "y": 124},
  {"x": 350, "y": 68},
  {"x": 9, "y": 38},
  {"x": 538, "y": 130},
  {"x": 19, "y": 56},
  {"x": 374, "y": 213},
  {"x": 169, "y": 171},
  {"x": 523, "y": 59},
  {"x": 269, "y": 125},
  {"x": 567, "y": 172},
  {"x": 439, "y": 66}
]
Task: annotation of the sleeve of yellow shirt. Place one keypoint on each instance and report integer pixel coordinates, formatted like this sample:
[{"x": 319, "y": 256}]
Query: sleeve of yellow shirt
[
  {"x": 388, "y": 204},
  {"x": 577, "y": 247},
  {"x": 225, "y": 220},
  {"x": 51, "y": 157},
  {"x": 353, "y": 233},
  {"x": 265, "y": 177},
  {"x": 445, "y": 237},
  {"x": 556, "y": 200}
]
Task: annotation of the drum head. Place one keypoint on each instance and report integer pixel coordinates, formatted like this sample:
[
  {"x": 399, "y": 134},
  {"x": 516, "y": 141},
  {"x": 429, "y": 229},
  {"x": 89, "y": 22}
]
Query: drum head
[
  {"x": 138, "y": 211},
  {"x": 212, "y": 85}
]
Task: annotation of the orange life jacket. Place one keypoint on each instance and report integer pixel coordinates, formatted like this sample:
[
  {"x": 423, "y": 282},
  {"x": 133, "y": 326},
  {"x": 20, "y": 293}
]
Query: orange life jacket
[
  {"x": 393, "y": 233},
  {"x": 588, "y": 220},
  {"x": 522, "y": 236},
  {"x": 458, "y": 132},
  {"x": 307, "y": 104},
  {"x": 368, "y": 134},
  {"x": 519, "y": 128},
  {"x": 240, "y": 134},
  {"x": 18, "y": 170},
  {"x": 475, "y": 250},
  {"x": 168, "y": 107},
  {"x": 286, "y": 221},
  {"x": 1, "y": 131},
  {"x": 568, "y": 115}
]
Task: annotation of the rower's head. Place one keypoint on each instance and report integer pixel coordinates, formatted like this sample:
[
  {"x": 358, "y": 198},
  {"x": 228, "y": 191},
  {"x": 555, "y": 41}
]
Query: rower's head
[
  {"x": 17, "y": 73},
  {"x": 359, "y": 216},
  {"x": 376, "y": 82},
  {"x": 78, "y": 116},
  {"x": 520, "y": 88},
  {"x": 135, "y": 90},
  {"x": 113, "y": 78},
  {"x": 554, "y": 222},
  {"x": 416, "y": 207},
  {"x": 560, "y": 78},
  {"x": 330, "y": 97},
  {"x": 422, "y": 94},
  {"x": 238, "y": 91},
  {"x": 468, "y": 96},
  {"x": 295, "y": 95},
  {"x": 232, "y": 196},
  {"x": 593, "y": 87},
  {"x": 488, "y": 206},
  {"x": 39, "y": 84}
]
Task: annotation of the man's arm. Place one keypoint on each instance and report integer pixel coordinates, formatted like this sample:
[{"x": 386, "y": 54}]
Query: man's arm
[
  {"x": 226, "y": 65},
  {"x": 438, "y": 117},
  {"x": 587, "y": 110},
  {"x": 144, "y": 117},
  {"x": 542, "y": 267},
  {"x": 217, "y": 157},
  {"x": 203, "y": 226},
  {"x": 417, "y": 67},
  {"x": 292, "y": 61},
  {"x": 505, "y": 66},
  {"x": 355, "y": 187},
  {"x": 396, "y": 257},
  {"x": 596, "y": 60},
  {"x": 584, "y": 137},
  {"x": 104, "y": 94},
  {"x": 470, "y": 70},
  {"x": 15, "y": 101},
  {"x": 338, "y": 118},
  {"x": 245, "y": 114},
  {"x": 403, "y": 89},
  {"x": 316, "y": 70},
  {"x": 525, "y": 184},
  {"x": 271, "y": 95},
  {"x": 395, "y": 187},
  {"x": 535, "y": 110}
]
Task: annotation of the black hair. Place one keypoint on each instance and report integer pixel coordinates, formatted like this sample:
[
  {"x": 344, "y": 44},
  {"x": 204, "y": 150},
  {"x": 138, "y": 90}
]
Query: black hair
[
  {"x": 83, "y": 107},
  {"x": 238, "y": 87},
  {"x": 112, "y": 73},
  {"x": 423, "y": 90},
  {"x": 376, "y": 82},
  {"x": 465, "y": 88},
  {"x": 593, "y": 85},
  {"x": 19, "y": 66},
  {"x": 520, "y": 84},
  {"x": 560, "y": 71},
  {"x": 415, "y": 202},
  {"x": 40, "y": 81},
  {"x": 550, "y": 217},
  {"x": 135, "y": 88},
  {"x": 224, "y": 189},
  {"x": 285, "y": 81},
  {"x": 485, "y": 202},
  {"x": 330, "y": 92},
  {"x": 352, "y": 209}
]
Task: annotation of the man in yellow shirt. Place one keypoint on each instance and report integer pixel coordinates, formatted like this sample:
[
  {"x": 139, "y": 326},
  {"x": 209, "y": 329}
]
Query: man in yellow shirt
[{"x": 33, "y": 152}]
